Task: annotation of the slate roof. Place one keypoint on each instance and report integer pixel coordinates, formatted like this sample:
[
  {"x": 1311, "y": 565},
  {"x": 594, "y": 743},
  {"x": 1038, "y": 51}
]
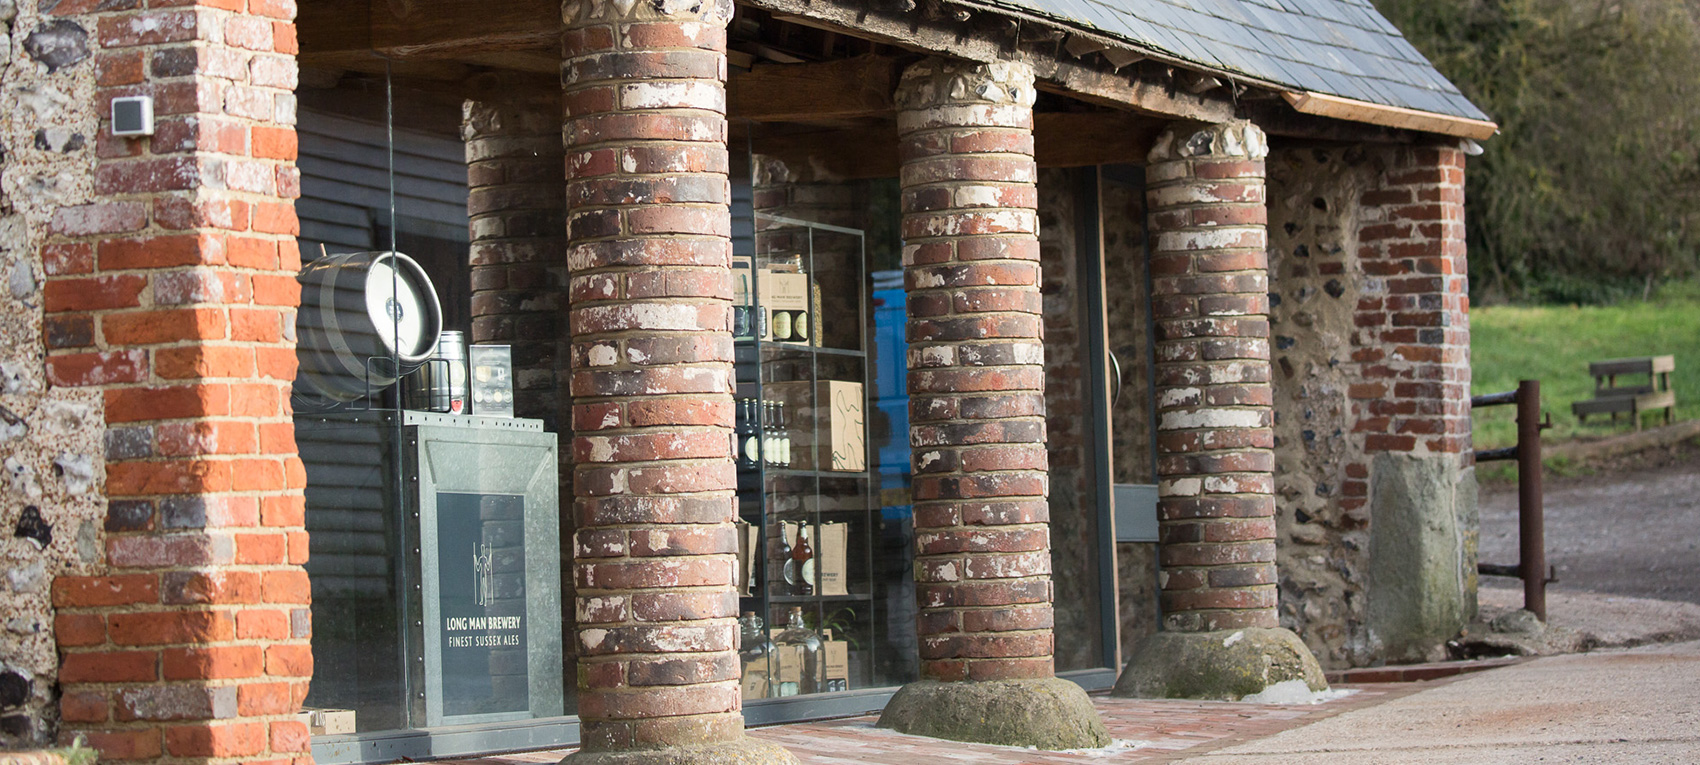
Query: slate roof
[{"x": 1339, "y": 47}]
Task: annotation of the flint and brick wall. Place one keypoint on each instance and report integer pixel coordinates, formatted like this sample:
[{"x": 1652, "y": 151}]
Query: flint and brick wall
[
  {"x": 1371, "y": 359},
  {"x": 651, "y": 311},
  {"x": 976, "y": 379},
  {"x": 1216, "y": 509},
  {"x": 174, "y": 295}
]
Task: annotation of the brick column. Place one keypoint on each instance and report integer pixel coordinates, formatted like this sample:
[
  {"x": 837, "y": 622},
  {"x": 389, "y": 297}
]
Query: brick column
[
  {"x": 1216, "y": 507},
  {"x": 651, "y": 288},
  {"x": 193, "y": 643},
  {"x": 517, "y": 206},
  {"x": 976, "y": 387},
  {"x": 1415, "y": 485},
  {"x": 1413, "y": 316}
]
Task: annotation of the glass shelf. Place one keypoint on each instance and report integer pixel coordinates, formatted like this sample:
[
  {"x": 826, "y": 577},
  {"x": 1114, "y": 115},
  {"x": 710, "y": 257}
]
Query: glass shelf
[
  {"x": 801, "y": 348},
  {"x": 796, "y": 599}
]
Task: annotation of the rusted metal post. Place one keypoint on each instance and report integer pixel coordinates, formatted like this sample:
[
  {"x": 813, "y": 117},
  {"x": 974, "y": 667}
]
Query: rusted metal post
[{"x": 1531, "y": 525}]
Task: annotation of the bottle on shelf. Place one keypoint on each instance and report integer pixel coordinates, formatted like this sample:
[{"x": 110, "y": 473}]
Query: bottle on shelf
[
  {"x": 798, "y": 644},
  {"x": 748, "y": 447},
  {"x": 784, "y": 431},
  {"x": 782, "y": 326},
  {"x": 767, "y": 430},
  {"x": 741, "y": 324},
  {"x": 770, "y": 433},
  {"x": 787, "y": 571},
  {"x": 803, "y": 559}
]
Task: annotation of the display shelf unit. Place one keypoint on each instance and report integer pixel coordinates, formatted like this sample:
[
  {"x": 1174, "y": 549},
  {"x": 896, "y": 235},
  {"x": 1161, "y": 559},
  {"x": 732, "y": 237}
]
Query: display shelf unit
[{"x": 777, "y": 499}]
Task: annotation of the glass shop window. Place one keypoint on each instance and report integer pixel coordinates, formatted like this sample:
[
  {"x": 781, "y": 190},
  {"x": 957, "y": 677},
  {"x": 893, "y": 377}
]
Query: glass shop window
[
  {"x": 431, "y": 450},
  {"x": 432, "y": 414},
  {"x": 828, "y": 594}
]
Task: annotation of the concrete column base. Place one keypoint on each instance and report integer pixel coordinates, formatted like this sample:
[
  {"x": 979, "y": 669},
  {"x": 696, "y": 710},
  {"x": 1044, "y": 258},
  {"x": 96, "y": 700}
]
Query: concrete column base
[
  {"x": 1046, "y": 713},
  {"x": 1226, "y": 665},
  {"x": 744, "y": 751}
]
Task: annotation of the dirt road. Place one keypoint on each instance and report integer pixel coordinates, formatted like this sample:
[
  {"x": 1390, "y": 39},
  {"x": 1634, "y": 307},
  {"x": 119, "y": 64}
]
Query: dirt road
[{"x": 1631, "y": 528}]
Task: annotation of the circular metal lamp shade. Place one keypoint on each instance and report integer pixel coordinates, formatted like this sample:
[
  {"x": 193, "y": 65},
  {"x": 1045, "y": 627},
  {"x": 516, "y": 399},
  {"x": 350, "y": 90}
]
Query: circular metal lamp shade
[{"x": 366, "y": 319}]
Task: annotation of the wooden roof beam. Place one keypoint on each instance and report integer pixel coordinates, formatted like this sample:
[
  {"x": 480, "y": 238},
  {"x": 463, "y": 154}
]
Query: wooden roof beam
[
  {"x": 1324, "y": 105},
  {"x": 428, "y": 29},
  {"x": 827, "y": 90}
]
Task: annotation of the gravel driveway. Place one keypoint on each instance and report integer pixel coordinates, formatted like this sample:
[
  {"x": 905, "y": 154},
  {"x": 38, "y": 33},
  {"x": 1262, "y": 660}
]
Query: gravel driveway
[{"x": 1631, "y": 528}]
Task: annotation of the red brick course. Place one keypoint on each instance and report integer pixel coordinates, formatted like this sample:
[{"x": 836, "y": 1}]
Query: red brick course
[{"x": 175, "y": 294}]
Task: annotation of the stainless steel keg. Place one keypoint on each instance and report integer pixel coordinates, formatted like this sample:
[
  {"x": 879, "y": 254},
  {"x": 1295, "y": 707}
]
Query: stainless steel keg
[
  {"x": 439, "y": 384},
  {"x": 366, "y": 319}
]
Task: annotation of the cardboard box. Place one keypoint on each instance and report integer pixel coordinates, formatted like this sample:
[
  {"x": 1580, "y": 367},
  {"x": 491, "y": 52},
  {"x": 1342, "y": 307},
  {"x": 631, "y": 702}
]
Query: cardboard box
[
  {"x": 781, "y": 288},
  {"x": 785, "y": 297},
  {"x": 835, "y": 662},
  {"x": 832, "y": 558},
  {"x": 784, "y": 291},
  {"x": 837, "y": 426},
  {"x": 754, "y": 680},
  {"x": 828, "y": 425}
]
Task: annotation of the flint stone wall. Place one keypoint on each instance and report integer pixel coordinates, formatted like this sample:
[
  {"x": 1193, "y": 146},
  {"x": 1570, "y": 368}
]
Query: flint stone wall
[
  {"x": 52, "y": 495},
  {"x": 1376, "y": 522}
]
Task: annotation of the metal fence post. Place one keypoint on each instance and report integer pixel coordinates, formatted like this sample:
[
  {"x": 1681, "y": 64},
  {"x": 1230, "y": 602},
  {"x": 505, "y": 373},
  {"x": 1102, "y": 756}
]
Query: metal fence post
[{"x": 1531, "y": 531}]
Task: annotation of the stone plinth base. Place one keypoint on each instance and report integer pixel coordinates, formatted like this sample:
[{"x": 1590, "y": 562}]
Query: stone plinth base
[
  {"x": 1226, "y": 665},
  {"x": 1047, "y": 713},
  {"x": 747, "y": 751}
]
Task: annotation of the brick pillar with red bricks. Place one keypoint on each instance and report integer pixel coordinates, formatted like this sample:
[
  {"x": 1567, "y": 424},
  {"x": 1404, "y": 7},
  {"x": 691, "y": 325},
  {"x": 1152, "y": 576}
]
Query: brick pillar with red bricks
[
  {"x": 1216, "y": 505},
  {"x": 1415, "y": 481},
  {"x": 651, "y": 306},
  {"x": 1413, "y": 317},
  {"x": 977, "y": 404},
  {"x": 192, "y": 645}
]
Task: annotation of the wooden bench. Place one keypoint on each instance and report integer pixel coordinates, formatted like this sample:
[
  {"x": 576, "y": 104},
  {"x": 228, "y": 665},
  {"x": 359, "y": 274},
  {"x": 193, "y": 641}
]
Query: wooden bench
[{"x": 1611, "y": 398}]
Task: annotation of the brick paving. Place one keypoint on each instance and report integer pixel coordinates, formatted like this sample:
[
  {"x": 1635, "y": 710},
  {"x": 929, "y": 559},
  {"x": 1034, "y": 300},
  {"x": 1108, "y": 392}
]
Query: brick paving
[{"x": 1145, "y": 731}]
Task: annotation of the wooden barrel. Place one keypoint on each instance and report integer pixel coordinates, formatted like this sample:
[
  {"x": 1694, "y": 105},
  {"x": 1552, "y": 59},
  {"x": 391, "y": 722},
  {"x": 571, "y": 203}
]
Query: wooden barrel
[{"x": 366, "y": 319}]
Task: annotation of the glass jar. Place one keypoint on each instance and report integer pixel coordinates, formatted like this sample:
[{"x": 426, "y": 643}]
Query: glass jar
[{"x": 797, "y": 657}]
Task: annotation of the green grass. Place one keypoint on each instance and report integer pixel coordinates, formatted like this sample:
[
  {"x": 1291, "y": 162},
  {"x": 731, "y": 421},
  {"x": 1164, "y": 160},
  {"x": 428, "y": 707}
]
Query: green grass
[{"x": 1554, "y": 344}]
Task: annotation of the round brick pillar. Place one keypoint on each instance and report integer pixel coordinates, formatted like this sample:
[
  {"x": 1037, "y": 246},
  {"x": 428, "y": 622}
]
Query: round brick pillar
[
  {"x": 977, "y": 413},
  {"x": 1216, "y": 506},
  {"x": 650, "y": 296},
  {"x": 517, "y": 207}
]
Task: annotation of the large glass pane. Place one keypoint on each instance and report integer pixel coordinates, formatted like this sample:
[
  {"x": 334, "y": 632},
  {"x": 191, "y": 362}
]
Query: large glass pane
[
  {"x": 1130, "y": 339},
  {"x": 1074, "y": 432},
  {"x": 824, "y": 457},
  {"x": 426, "y": 412}
]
